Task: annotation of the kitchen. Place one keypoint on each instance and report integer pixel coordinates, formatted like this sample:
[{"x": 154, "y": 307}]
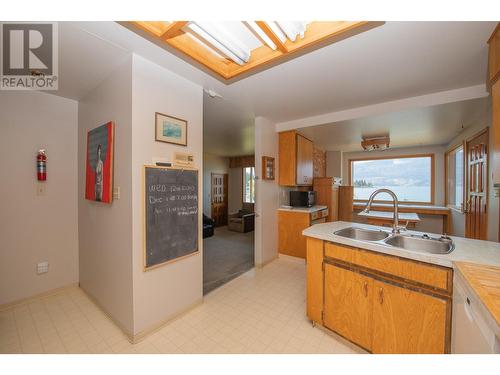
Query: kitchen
[{"x": 407, "y": 276}]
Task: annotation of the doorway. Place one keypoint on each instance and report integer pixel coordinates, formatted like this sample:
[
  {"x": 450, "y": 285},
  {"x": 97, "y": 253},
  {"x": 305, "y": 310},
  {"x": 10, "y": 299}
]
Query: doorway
[
  {"x": 476, "y": 219},
  {"x": 219, "y": 188}
]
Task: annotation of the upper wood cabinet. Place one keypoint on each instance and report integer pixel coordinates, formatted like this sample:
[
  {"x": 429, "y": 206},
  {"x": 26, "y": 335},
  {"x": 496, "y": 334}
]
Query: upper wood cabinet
[
  {"x": 494, "y": 75},
  {"x": 494, "y": 55},
  {"x": 495, "y": 103},
  {"x": 295, "y": 159}
]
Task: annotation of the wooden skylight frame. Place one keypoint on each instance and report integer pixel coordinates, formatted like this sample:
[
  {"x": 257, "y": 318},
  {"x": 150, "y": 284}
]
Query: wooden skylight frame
[{"x": 318, "y": 34}]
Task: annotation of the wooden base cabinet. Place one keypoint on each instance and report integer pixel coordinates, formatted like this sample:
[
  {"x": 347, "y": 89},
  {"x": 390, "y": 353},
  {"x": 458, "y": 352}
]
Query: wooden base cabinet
[
  {"x": 407, "y": 322},
  {"x": 382, "y": 303},
  {"x": 348, "y": 303}
]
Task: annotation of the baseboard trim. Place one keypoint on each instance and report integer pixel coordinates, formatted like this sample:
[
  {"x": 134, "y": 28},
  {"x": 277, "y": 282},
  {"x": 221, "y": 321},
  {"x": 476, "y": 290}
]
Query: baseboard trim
[
  {"x": 127, "y": 333},
  {"x": 292, "y": 258},
  {"x": 260, "y": 265},
  {"x": 138, "y": 337},
  {"x": 22, "y": 301}
]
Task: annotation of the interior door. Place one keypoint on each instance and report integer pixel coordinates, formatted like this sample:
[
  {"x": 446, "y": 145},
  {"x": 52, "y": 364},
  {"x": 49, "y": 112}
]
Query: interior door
[
  {"x": 348, "y": 304},
  {"x": 219, "y": 198},
  {"x": 407, "y": 322},
  {"x": 477, "y": 186}
]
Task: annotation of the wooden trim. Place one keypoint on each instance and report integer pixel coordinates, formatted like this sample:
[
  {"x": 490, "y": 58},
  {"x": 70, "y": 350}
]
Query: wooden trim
[
  {"x": 317, "y": 35},
  {"x": 270, "y": 33},
  {"x": 173, "y": 29},
  {"x": 25, "y": 300},
  {"x": 433, "y": 175},
  {"x": 446, "y": 197},
  {"x": 144, "y": 267}
]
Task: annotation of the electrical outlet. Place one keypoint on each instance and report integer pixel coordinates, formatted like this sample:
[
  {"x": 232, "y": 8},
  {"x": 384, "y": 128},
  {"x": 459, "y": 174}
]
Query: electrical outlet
[
  {"x": 41, "y": 189},
  {"x": 42, "y": 267},
  {"x": 116, "y": 192}
]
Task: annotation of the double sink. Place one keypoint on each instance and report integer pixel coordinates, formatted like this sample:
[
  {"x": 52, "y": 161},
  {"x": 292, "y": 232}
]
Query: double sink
[{"x": 421, "y": 243}]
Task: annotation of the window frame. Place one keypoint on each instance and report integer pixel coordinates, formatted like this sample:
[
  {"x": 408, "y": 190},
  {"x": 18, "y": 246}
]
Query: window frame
[
  {"x": 449, "y": 152},
  {"x": 243, "y": 185},
  {"x": 433, "y": 176}
]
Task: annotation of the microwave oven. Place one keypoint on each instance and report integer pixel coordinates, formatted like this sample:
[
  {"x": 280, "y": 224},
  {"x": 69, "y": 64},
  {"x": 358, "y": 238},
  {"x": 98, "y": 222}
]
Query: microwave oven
[{"x": 302, "y": 198}]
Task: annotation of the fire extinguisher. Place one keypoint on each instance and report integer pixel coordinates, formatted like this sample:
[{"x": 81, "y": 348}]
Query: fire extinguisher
[{"x": 41, "y": 165}]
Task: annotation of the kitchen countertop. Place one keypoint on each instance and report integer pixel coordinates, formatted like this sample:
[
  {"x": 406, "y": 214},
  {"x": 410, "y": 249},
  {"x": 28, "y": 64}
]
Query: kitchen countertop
[
  {"x": 402, "y": 206},
  {"x": 485, "y": 282},
  {"x": 302, "y": 209},
  {"x": 409, "y": 216},
  {"x": 466, "y": 250}
]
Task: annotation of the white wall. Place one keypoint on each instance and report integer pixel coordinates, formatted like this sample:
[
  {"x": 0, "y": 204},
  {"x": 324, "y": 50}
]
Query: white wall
[
  {"x": 163, "y": 292},
  {"x": 428, "y": 223},
  {"x": 267, "y": 194},
  {"x": 212, "y": 164},
  {"x": 37, "y": 228},
  {"x": 235, "y": 199},
  {"x": 105, "y": 236}
]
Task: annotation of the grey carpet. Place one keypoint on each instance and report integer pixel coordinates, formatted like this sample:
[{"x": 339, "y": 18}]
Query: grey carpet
[{"x": 226, "y": 255}]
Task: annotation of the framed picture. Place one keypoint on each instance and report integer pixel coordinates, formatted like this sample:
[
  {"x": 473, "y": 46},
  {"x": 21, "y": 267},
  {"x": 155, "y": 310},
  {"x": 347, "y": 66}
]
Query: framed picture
[
  {"x": 267, "y": 168},
  {"x": 99, "y": 163},
  {"x": 170, "y": 129}
]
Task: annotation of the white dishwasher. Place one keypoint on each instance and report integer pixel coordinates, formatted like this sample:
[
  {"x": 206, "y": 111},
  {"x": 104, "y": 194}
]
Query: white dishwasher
[{"x": 472, "y": 331}]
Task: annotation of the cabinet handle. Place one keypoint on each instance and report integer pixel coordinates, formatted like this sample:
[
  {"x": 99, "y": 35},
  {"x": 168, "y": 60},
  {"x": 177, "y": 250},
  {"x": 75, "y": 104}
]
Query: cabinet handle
[
  {"x": 381, "y": 295},
  {"x": 365, "y": 288}
]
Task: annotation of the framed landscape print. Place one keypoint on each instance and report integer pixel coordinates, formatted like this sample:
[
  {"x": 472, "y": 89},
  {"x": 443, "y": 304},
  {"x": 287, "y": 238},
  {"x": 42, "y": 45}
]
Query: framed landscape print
[
  {"x": 99, "y": 163},
  {"x": 170, "y": 129}
]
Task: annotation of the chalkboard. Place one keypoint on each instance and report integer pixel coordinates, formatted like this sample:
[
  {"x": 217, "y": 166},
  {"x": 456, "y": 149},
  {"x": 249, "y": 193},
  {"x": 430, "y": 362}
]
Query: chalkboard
[{"x": 170, "y": 214}]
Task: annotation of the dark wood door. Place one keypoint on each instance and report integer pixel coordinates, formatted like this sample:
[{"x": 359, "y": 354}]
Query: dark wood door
[
  {"x": 477, "y": 186},
  {"x": 219, "y": 198}
]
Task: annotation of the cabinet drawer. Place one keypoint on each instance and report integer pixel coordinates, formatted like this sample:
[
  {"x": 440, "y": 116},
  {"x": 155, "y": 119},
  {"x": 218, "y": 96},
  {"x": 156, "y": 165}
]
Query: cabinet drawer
[{"x": 421, "y": 273}]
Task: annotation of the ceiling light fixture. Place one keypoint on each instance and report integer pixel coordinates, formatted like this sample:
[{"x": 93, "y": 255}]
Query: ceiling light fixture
[
  {"x": 277, "y": 31},
  {"x": 219, "y": 41},
  {"x": 292, "y": 29},
  {"x": 379, "y": 143},
  {"x": 212, "y": 93},
  {"x": 261, "y": 34}
]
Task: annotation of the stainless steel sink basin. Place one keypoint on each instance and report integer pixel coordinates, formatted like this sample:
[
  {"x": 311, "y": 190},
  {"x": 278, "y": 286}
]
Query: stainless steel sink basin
[
  {"x": 362, "y": 234},
  {"x": 424, "y": 243}
]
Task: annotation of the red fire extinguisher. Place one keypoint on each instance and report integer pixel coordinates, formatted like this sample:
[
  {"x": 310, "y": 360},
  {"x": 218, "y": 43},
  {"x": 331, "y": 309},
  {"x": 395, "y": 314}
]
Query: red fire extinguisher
[{"x": 41, "y": 165}]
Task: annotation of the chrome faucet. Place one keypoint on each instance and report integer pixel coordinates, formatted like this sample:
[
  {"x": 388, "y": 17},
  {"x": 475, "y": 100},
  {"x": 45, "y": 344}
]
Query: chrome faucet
[{"x": 395, "y": 226}]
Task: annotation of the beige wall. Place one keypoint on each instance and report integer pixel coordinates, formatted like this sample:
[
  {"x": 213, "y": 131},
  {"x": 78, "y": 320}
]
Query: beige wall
[
  {"x": 334, "y": 163},
  {"x": 432, "y": 224},
  {"x": 212, "y": 164},
  {"x": 267, "y": 194},
  {"x": 37, "y": 228},
  {"x": 235, "y": 201},
  {"x": 163, "y": 292},
  {"x": 458, "y": 218},
  {"x": 105, "y": 235}
]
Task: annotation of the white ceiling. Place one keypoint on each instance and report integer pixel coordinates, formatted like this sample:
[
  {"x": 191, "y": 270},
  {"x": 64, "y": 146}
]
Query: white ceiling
[
  {"x": 85, "y": 60},
  {"x": 434, "y": 125},
  {"x": 227, "y": 129}
]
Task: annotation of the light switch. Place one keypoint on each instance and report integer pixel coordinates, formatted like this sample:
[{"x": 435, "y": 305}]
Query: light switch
[{"x": 42, "y": 267}]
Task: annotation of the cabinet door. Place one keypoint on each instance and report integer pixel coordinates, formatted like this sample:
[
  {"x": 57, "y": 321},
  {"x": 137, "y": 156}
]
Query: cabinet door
[
  {"x": 495, "y": 100},
  {"x": 287, "y": 171},
  {"x": 348, "y": 304},
  {"x": 406, "y": 321},
  {"x": 305, "y": 151}
]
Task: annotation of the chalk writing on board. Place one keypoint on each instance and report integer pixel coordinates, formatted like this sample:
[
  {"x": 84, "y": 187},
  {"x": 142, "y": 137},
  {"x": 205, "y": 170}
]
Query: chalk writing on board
[{"x": 171, "y": 214}]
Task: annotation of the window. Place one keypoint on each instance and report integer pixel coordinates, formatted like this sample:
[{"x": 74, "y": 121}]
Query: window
[
  {"x": 409, "y": 177},
  {"x": 249, "y": 185},
  {"x": 455, "y": 177}
]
